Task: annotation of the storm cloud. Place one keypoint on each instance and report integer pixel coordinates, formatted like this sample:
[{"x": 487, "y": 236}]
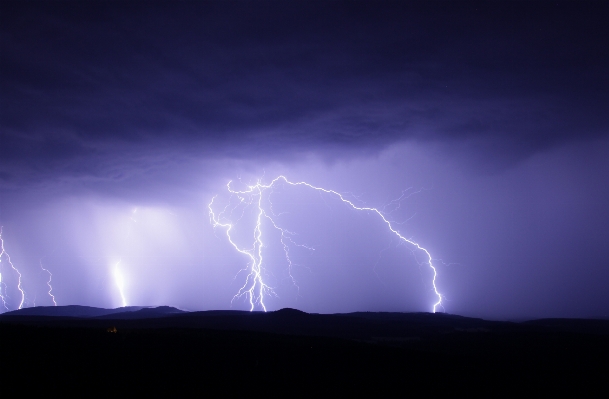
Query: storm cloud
[{"x": 495, "y": 112}]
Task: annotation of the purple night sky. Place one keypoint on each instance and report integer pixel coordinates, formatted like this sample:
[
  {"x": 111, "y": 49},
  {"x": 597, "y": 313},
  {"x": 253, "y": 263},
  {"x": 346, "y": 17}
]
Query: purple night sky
[{"x": 120, "y": 121}]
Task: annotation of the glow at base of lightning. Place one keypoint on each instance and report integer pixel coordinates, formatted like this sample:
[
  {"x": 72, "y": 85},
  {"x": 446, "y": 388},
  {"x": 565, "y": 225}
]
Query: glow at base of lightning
[
  {"x": 120, "y": 282},
  {"x": 5, "y": 254},
  {"x": 254, "y": 288},
  {"x": 49, "y": 283}
]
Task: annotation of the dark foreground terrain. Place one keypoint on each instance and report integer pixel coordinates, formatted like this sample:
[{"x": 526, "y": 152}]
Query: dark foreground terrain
[{"x": 163, "y": 351}]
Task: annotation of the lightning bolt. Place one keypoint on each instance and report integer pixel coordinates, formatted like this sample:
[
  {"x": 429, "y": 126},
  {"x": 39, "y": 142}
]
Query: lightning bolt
[
  {"x": 120, "y": 282},
  {"x": 3, "y": 294},
  {"x": 117, "y": 274},
  {"x": 49, "y": 283},
  {"x": 254, "y": 288},
  {"x": 257, "y": 288}
]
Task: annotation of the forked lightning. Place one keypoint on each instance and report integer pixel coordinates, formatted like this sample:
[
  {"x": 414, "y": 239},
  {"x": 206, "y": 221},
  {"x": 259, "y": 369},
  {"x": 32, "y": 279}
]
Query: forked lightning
[
  {"x": 255, "y": 289},
  {"x": 3, "y": 286}
]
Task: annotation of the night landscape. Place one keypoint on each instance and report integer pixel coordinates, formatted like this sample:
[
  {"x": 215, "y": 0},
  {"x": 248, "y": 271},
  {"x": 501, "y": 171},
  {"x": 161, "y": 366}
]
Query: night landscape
[{"x": 304, "y": 198}]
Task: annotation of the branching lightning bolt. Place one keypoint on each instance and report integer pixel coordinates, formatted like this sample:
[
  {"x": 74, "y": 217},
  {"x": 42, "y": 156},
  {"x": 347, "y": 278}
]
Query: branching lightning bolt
[
  {"x": 254, "y": 288},
  {"x": 2, "y": 283},
  {"x": 258, "y": 289}
]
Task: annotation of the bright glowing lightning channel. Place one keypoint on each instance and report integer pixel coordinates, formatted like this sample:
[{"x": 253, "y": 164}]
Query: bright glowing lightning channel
[
  {"x": 254, "y": 288},
  {"x": 120, "y": 282},
  {"x": 49, "y": 283},
  {"x": 3, "y": 284}
]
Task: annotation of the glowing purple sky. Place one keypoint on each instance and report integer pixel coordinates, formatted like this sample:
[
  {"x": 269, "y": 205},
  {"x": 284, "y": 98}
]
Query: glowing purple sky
[{"x": 119, "y": 122}]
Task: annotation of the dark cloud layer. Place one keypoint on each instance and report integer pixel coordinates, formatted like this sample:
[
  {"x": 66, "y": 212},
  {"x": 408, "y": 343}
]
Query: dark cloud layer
[{"x": 216, "y": 78}]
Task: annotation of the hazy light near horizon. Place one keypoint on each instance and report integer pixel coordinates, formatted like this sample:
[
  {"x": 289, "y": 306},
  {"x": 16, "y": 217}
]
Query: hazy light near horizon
[{"x": 507, "y": 237}]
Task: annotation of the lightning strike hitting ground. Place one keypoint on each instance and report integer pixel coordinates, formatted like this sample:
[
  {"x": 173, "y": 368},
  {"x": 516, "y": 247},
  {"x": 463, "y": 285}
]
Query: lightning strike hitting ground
[
  {"x": 254, "y": 288},
  {"x": 120, "y": 282},
  {"x": 49, "y": 283},
  {"x": 3, "y": 286}
]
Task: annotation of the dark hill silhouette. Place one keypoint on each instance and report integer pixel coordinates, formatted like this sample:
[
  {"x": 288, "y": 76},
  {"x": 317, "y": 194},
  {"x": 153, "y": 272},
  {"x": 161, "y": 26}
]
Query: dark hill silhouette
[
  {"x": 70, "y": 311},
  {"x": 166, "y": 350},
  {"x": 586, "y": 326},
  {"x": 289, "y": 312},
  {"x": 144, "y": 313},
  {"x": 364, "y": 326}
]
